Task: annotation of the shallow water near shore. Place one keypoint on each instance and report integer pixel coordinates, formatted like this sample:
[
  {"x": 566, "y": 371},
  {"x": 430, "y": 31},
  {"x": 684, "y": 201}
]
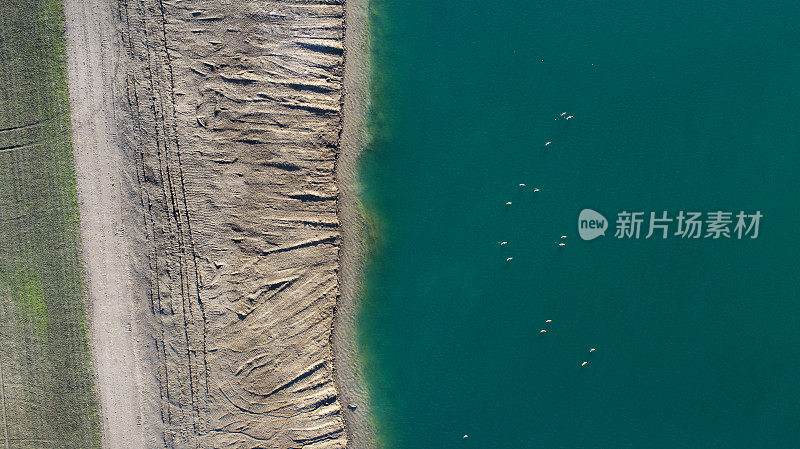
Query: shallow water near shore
[{"x": 677, "y": 106}]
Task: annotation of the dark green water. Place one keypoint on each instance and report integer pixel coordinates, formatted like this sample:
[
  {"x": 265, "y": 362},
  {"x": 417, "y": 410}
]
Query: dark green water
[{"x": 677, "y": 106}]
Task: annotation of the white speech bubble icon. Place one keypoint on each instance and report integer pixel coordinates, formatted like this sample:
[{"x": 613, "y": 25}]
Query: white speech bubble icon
[{"x": 591, "y": 224}]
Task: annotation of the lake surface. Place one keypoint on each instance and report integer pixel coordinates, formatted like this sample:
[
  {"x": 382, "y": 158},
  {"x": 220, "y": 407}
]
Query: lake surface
[{"x": 677, "y": 106}]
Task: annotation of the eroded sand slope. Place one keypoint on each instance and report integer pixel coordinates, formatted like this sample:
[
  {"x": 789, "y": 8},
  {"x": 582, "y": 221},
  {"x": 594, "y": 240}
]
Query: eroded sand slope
[{"x": 226, "y": 119}]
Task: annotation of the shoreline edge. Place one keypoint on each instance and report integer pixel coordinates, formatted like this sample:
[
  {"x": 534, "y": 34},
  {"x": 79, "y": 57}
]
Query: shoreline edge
[{"x": 349, "y": 380}]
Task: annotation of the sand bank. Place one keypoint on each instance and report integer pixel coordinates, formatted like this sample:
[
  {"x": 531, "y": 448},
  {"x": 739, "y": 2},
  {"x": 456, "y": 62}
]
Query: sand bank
[
  {"x": 207, "y": 143},
  {"x": 355, "y": 108}
]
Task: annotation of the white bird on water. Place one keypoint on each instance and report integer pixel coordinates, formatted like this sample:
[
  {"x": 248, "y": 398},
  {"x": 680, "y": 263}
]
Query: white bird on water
[
  {"x": 509, "y": 259},
  {"x": 562, "y": 244},
  {"x": 547, "y": 144},
  {"x": 592, "y": 350},
  {"x": 548, "y": 321},
  {"x": 503, "y": 243},
  {"x": 564, "y": 113},
  {"x": 584, "y": 363},
  {"x": 536, "y": 190},
  {"x": 563, "y": 236},
  {"x": 522, "y": 185},
  {"x": 465, "y": 436},
  {"x": 569, "y": 117},
  {"x": 508, "y": 203},
  {"x": 543, "y": 331}
]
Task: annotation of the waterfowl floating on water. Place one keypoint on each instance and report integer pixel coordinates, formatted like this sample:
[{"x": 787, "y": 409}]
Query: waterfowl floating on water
[
  {"x": 509, "y": 259},
  {"x": 569, "y": 117},
  {"x": 465, "y": 436},
  {"x": 548, "y": 321},
  {"x": 508, "y": 203},
  {"x": 522, "y": 185},
  {"x": 564, "y": 113},
  {"x": 536, "y": 190},
  {"x": 503, "y": 243},
  {"x": 584, "y": 363},
  {"x": 563, "y": 236},
  {"x": 543, "y": 331},
  {"x": 547, "y": 143},
  {"x": 562, "y": 244},
  {"x": 592, "y": 350}
]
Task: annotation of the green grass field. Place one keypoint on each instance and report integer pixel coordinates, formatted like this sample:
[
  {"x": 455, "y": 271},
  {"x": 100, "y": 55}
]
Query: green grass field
[{"x": 45, "y": 363}]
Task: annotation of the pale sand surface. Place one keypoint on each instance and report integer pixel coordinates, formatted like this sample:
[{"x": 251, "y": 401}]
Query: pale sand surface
[
  {"x": 123, "y": 352},
  {"x": 205, "y": 140},
  {"x": 353, "y": 249}
]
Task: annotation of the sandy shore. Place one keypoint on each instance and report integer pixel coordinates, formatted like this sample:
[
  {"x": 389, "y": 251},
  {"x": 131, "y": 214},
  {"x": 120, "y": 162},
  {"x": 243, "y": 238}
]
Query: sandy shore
[
  {"x": 220, "y": 224},
  {"x": 353, "y": 249}
]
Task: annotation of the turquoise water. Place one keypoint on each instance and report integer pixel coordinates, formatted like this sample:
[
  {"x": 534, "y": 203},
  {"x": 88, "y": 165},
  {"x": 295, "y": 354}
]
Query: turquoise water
[{"x": 677, "y": 105}]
